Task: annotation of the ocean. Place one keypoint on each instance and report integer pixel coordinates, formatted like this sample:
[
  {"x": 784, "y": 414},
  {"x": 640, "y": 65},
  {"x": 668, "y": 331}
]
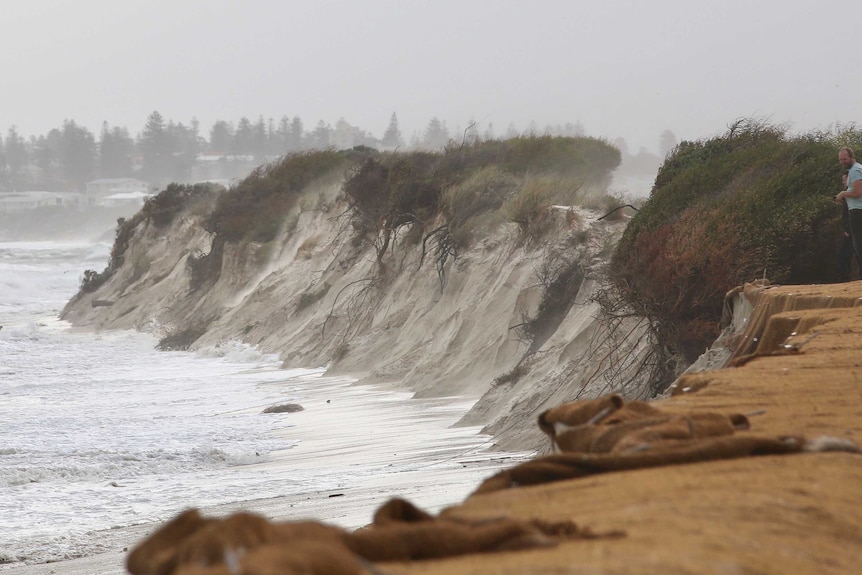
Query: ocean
[{"x": 100, "y": 431}]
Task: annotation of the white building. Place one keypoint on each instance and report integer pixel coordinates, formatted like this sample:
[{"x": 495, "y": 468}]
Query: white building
[
  {"x": 100, "y": 189},
  {"x": 125, "y": 199},
  {"x": 20, "y": 201}
]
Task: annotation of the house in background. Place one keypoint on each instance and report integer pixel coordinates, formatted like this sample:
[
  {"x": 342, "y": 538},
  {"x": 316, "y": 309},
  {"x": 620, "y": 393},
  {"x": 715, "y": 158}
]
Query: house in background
[
  {"x": 118, "y": 189},
  {"x": 20, "y": 201},
  {"x": 125, "y": 199}
]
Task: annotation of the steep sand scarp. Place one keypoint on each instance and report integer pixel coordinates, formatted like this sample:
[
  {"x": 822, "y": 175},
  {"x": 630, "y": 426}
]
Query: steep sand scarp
[{"x": 776, "y": 514}]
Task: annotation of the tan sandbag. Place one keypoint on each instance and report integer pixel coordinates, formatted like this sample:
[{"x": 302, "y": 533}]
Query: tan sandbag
[
  {"x": 578, "y": 412},
  {"x": 574, "y": 465},
  {"x": 677, "y": 428},
  {"x": 304, "y": 558},
  {"x": 193, "y": 540},
  {"x": 301, "y": 558},
  {"x": 436, "y": 539},
  {"x": 401, "y": 532},
  {"x": 398, "y": 510},
  {"x": 599, "y": 425},
  {"x": 157, "y": 554}
]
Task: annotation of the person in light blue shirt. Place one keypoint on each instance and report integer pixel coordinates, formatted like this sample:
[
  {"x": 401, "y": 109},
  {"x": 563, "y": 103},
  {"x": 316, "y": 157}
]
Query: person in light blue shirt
[{"x": 852, "y": 195}]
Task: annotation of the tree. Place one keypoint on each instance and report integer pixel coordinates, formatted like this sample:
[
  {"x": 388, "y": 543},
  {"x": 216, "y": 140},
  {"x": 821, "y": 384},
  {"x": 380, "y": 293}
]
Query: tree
[
  {"x": 392, "y": 137},
  {"x": 182, "y": 144},
  {"x": 666, "y": 142},
  {"x": 489, "y": 132},
  {"x": 471, "y": 134},
  {"x": 576, "y": 131},
  {"x": 116, "y": 148},
  {"x": 154, "y": 147},
  {"x": 16, "y": 158},
  {"x": 281, "y": 139},
  {"x": 221, "y": 136},
  {"x": 436, "y": 134},
  {"x": 46, "y": 155},
  {"x": 77, "y": 154},
  {"x": 259, "y": 140},
  {"x": 243, "y": 138},
  {"x": 297, "y": 133},
  {"x": 319, "y": 139}
]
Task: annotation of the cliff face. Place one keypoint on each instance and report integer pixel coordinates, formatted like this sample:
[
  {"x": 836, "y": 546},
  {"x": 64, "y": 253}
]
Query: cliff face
[{"x": 318, "y": 295}]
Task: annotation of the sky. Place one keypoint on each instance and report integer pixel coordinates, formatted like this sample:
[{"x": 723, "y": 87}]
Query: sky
[{"x": 621, "y": 68}]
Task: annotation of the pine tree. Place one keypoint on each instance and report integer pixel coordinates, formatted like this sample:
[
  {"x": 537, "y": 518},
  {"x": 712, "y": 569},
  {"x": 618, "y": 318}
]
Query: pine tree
[
  {"x": 436, "y": 134},
  {"x": 78, "y": 154},
  {"x": 16, "y": 157},
  {"x": 221, "y": 136},
  {"x": 153, "y": 142},
  {"x": 297, "y": 131},
  {"x": 115, "y": 152},
  {"x": 243, "y": 139},
  {"x": 392, "y": 137}
]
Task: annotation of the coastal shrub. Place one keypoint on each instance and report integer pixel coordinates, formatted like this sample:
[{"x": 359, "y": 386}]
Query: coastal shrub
[
  {"x": 164, "y": 207},
  {"x": 466, "y": 204},
  {"x": 529, "y": 207},
  {"x": 513, "y": 375},
  {"x": 123, "y": 235},
  {"x": 255, "y": 209},
  {"x": 93, "y": 280},
  {"x": 561, "y": 278},
  {"x": 751, "y": 202},
  {"x": 586, "y": 158},
  {"x": 205, "y": 268},
  {"x": 181, "y": 340},
  {"x": 392, "y": 190}
]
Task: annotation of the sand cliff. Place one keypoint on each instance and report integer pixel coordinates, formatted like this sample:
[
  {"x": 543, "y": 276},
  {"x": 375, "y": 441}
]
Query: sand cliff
[
  {"x": 797, "y": 368},
  {"x": 319, "y": 297},
  {"x": 772, "y": 514}
]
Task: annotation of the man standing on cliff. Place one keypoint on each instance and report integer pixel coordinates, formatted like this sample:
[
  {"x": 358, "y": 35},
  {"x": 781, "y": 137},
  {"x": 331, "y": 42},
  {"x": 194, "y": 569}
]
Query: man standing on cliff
[{"x": 853, "y": 196}]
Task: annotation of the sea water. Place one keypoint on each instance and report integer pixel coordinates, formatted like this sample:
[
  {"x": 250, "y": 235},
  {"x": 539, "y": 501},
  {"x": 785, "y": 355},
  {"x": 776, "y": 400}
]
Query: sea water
[{"x": 99, "y": 430}]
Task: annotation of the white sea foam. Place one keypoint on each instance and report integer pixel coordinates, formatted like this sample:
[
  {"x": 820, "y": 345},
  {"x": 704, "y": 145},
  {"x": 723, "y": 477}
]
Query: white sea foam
[{"x": 100, "y": 431}]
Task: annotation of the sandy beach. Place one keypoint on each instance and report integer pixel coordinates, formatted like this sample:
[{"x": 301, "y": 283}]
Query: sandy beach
[{"x": 443, "y": 465}]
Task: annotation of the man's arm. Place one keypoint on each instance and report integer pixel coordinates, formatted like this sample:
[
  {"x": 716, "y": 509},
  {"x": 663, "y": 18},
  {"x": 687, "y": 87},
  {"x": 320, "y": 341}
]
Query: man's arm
[{"x": 855, "y": 190}]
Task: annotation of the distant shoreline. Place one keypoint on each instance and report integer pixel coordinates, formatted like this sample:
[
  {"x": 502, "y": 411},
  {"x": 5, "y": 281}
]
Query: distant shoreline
[{"x": 62, "y": 223}]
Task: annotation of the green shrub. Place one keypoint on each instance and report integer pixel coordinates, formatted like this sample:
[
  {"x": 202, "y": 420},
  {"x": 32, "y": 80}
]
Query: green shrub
[
  {"x": 125, "y": 231},
  {"x": 205, "y": 269},
  {"x": 181, "y": 340},
  {"x": 466, "y": 203},
  {"x": 529, "y": 207},
  {"x": 164, "y": 207},
  {"x": 93, "y": 280},
  {"x": 396, "y": 189},
  {"x": 562, "y": 281},
  {"x": 725, "y": 211},
  {"x": 255, "y": 209}
]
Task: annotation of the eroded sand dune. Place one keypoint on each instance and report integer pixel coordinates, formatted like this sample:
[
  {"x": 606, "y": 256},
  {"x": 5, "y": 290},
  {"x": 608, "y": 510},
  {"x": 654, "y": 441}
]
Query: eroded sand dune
[{"x": 792, "y": 507}]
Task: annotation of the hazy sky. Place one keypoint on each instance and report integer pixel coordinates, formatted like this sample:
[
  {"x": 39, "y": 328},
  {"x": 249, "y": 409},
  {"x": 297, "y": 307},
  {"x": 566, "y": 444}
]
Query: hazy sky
[{"x": 621, "y": 68}]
